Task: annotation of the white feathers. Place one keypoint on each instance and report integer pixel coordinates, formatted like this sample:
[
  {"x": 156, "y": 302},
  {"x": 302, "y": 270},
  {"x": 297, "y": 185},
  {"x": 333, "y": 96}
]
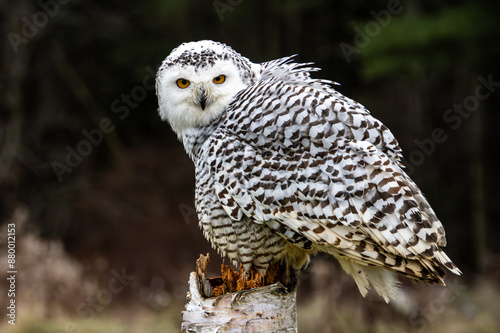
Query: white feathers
[
  {"x": 181, "y": 107},
  {"x": 384, "y": 282},
  {"x": 286, "y": 166}
]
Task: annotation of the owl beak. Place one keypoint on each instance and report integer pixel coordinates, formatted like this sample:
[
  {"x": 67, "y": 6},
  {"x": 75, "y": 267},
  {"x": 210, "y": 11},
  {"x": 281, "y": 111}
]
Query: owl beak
[{"x": 202, "y": 99}]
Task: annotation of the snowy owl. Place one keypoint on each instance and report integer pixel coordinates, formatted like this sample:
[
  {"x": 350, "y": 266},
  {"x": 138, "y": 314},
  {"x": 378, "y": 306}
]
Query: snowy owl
[{"x": 286, "y": 167}]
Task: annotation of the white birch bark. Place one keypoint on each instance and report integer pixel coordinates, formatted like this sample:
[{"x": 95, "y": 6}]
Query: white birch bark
[{"x": 265, "y": 309}]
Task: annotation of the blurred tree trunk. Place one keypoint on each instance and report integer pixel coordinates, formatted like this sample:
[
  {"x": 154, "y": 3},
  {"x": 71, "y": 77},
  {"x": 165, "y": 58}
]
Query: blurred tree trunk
[
  {"x": 14, "y": 61},
  {"x": 478, "y": 198}
]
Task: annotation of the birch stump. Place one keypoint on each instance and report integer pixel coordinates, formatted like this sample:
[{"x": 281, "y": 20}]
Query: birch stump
[{"x": 239, "y": 302}]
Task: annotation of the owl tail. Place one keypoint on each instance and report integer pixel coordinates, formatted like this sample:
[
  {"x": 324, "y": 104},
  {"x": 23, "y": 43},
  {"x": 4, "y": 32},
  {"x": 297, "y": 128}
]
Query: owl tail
[{"x": 385, "y": 282}]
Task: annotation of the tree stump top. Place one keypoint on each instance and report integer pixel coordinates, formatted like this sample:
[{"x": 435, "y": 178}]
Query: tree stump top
[{"x": 270, "y": 308}]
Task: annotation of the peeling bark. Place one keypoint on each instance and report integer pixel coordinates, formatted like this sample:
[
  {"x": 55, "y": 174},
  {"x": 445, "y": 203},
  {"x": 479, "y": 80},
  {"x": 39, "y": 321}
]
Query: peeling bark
[{"x": 269, "y": 308}]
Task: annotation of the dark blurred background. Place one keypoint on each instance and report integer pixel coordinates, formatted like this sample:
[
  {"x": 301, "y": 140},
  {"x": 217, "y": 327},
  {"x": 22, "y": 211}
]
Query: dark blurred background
[{"x": 87, "y": 167}]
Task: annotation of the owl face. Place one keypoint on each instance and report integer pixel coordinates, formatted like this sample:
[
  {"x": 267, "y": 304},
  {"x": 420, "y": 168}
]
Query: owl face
[{"x": 196, "y": 83}]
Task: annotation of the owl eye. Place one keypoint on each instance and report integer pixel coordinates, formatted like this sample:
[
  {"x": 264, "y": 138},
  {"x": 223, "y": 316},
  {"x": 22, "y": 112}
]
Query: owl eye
[
  {"x": 183, "y": 83},
  {"x": 219, "y": 79}
]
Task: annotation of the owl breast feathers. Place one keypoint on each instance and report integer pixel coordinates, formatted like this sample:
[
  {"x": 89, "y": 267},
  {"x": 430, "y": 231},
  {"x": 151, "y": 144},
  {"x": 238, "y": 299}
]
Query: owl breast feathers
[{"x": 291, "y": 167}]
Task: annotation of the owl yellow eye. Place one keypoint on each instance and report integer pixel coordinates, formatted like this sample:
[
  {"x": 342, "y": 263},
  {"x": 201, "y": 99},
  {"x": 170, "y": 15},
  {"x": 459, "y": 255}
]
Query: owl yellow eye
[
  {"x": 183, "y": 83},
  {"x": 219, "y": 79}
]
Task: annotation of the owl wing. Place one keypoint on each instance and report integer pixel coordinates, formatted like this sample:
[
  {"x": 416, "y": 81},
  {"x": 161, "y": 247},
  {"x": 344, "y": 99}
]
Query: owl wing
[{"x": 307, "y": 161}]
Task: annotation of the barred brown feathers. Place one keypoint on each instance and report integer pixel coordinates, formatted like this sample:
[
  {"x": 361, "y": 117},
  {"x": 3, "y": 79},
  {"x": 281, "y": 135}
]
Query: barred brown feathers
[{"x": 287, "y": 166}]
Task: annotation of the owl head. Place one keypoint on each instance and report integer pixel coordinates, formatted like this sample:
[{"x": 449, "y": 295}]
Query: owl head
[{"x": 197, "y": 81}]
